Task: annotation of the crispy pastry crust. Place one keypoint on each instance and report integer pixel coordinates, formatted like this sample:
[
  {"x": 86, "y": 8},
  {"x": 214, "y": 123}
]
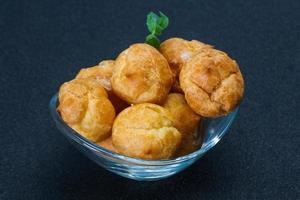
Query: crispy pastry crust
[
  {"x": 212, "y": 83},
  {"x": 103, "y": 73},
  {"x": 146, "y": 131},
  {"x": 178, "y": 51},
  {"x": 141, "y": 75},
  {"x": 186, "y": 121},
  {"x": 85, "y": 107}
]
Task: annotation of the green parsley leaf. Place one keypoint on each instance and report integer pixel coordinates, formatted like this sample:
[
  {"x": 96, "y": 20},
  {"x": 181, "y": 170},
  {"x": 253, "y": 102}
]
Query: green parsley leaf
[
  {"x": 152, "y": 40},
  {"x": 156, "y": 24},
  {"x": 163, "y": 21},
  {"x": 152, "y": 20}
]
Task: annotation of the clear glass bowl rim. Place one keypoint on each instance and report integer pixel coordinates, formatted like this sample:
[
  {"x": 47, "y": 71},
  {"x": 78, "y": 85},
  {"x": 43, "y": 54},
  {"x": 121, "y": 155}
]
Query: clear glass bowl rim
[{"x": 92, "y": 146}]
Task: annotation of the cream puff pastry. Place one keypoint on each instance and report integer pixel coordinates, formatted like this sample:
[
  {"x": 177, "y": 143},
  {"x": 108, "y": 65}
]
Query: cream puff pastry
[
  {"x": 178, "y": 51},
  {"x": 103, "y": 73},
  {"x": 146, "y": 131},
  {"x": 141, "y": 75},
  {"x": 186, "y": 122},
  {"x": 85, "y": 107},
  {"x": 212, "y": 83}
]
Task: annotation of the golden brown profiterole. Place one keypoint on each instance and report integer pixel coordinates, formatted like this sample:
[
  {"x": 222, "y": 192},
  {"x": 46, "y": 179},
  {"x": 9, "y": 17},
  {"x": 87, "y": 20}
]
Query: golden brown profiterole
[
  {"x": 141, "y": 75},
  {"x": 85, "y": 107},
  {"x": 178, "y": 51},
  {"x": 212, "y": 83},
  {"x": 103, "y": 72},
  {"x": 146, "y": 131},
  {"x": 186, "y": 122},
  {"x": 107, "y": 144}
]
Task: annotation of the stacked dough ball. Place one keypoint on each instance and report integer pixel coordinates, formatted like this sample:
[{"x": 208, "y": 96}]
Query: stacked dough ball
[{"x": 126, "y": 105}]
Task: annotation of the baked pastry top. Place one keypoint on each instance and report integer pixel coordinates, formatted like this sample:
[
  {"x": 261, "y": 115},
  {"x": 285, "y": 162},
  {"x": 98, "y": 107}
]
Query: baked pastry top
[
  {"x": 212, "y": 83},
  {"x": 146, "y": 131},
  {"x": 141, "y": 75},
  {"x": 186, "y": 122},
  {"x": 103, "y": 72},
  {"x": 178, "y": 51},
  {"x": 85, "y": 107}
]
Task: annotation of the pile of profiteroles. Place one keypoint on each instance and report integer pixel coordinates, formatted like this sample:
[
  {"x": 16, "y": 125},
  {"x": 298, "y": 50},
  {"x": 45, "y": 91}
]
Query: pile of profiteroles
[{"x": 148, "y": 103}]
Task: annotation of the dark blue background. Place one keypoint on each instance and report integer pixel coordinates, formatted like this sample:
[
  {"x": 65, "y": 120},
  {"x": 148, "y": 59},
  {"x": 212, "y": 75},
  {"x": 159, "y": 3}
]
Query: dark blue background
[{"x": 44, "y": 43}]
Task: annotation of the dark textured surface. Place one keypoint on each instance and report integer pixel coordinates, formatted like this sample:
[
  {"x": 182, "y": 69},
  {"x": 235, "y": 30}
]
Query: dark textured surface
[{"x": 43, "y": 44}]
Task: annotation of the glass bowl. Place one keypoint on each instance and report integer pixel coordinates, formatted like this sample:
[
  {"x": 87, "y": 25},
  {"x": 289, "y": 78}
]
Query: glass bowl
[{"x": 138, "y": 169}]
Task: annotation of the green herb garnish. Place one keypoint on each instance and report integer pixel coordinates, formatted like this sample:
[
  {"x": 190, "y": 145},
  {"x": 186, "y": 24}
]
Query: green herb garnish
[{"x": 156, "y": 24}]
